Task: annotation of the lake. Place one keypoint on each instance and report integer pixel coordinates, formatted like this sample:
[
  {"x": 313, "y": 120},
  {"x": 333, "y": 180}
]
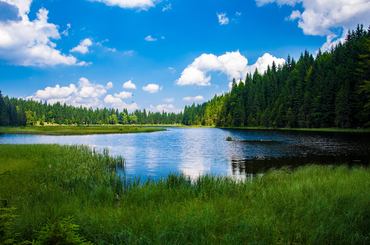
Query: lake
[{"x": 198, "y": 151}]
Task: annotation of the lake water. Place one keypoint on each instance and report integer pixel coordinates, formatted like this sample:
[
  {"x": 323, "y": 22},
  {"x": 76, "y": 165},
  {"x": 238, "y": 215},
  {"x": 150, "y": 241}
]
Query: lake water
[{"x": 198, "y": 151}]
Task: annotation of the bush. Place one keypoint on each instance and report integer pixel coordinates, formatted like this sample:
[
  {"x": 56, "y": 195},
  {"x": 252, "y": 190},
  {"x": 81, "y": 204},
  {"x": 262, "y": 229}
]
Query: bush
[{"x": 62, "y": 231}]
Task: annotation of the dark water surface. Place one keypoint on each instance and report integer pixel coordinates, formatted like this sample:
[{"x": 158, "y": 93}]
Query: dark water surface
[{"x": 197, "y": 151}]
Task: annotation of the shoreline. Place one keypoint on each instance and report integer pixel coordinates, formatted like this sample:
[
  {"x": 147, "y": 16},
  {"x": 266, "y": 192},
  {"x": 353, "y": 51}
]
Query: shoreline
[{"x": 77, "y": 130}]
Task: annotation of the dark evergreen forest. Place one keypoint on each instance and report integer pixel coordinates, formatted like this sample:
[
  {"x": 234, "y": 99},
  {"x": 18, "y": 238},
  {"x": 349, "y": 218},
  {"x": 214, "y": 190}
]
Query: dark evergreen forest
[{"x": 329, "y": 90}]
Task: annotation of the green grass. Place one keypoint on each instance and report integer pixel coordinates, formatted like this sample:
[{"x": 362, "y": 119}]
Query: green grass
[
  {"x": 312, "y": 205},
  {"x": 77, "y": 130}
]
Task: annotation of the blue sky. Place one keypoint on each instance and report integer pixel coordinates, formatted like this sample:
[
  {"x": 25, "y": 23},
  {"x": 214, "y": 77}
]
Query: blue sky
[{"x": 157, "y": 55}]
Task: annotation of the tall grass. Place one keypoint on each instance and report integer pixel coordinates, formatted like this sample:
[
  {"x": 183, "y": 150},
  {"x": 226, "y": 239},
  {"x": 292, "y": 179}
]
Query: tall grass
[{"x": 312, "y": 205}]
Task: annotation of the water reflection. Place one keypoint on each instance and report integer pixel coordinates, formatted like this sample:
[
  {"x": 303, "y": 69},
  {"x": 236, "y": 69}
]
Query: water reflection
[{"x": 198, "y": 151}]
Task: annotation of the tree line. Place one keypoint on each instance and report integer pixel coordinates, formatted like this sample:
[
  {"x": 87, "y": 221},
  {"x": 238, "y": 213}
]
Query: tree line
[
  {"x": 329, "y": 90},
  {"x": 20, "y": 112}
]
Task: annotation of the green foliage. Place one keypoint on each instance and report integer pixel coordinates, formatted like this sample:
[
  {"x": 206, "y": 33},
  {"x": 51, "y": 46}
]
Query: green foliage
[
  {"x": 6, "y": 216},
  {"x": 7, "y": 235},
  {"x": 62, "y": 231},
  {"x": 311, "y": 205},
  {"x": 229, "y": 138}
]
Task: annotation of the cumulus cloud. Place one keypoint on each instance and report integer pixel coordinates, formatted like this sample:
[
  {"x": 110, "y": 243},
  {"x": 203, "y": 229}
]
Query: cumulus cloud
[
  {"x": 123, "y": 95},
  {"x": 84, "y": 93},
  {"x": 196, "y": 98},
  {"x": 112, "y": 100},
  {"x": 9, "y": 12},
  {"x": 152, "y": 88},
  {"x": 119, "y": 104},
  {"x": 129, "y": 85},
  {"x": 323, "y": 17},
  {"x": 89, "y": 90},
  {"x": 56, "y": 92},
  {"x": 233, "y": 64},
  {"x": 83, "y": 47},
  {"x": 28, "y": 43},
  {"x": 140, "y": 4},
  {"x": 164, "y": 107},
  {"x": 222, "y": 19},
  {"x": 168, "y": 100},
  {"x": 168, "y": 7},
  {"x": 109, "y": 85},
  {"x": 150, "y": 39}
]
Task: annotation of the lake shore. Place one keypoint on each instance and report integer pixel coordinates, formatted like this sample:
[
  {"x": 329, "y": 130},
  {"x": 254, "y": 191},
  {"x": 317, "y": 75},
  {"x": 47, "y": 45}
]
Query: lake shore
[
  {"x": 77, "y": 130},
  {"x": 346, "y": 130},
  {"x": 312, "y": 205}
]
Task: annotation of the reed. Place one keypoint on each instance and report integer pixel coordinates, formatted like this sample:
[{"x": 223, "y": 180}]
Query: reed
[{"x": 311, "y": 205}]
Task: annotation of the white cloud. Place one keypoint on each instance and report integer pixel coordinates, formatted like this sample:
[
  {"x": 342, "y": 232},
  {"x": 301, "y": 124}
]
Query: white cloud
[
  {"x": 28, "y": 43},
  {"x": 123, "y": 95},
  {"x": 238, "y": 13},
  {"x": 83, "y": 47},
  {"x": 263, "y": 62},
  {"x": 332, "y": 41},
  {"x": 65, "y": 32},
  {"x": 56, "y": 92},
  {"x": 196, "y": 98},
  {"x": 295, "y": 15},
  {"x": 192, "y": 75},
  {"x": 164, "y": 107},
  {"x": 150, "y": 39},
  {"x": 323, "y": 17},
  {"x": 85, "y": 93},
  {"x": 111, "y": 49},
  {"x": 129, "y": 85},
  {"x": 168, "y": 100},
  {"x": 168, "y": 7},
  {"x": 119, "y": 104},
  {"x": 112, "y": 100},
  {"x": 89, "y": 90},
  {"x": 152, "y": 88},
  {"x": 233, "y": 64},
  {"x": 222, "y": 19},
  {"x": 172, "y": 70},
  {"x": 130, "y": 52},
  {"x": 109, "y": 85},
  {"x": 105, "y": 48},
  {"x": 141, "y": 4}
]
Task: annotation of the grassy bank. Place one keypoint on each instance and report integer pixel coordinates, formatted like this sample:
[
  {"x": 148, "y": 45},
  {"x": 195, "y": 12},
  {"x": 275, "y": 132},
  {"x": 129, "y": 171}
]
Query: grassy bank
[
  {"x": 348, "y": 130},
  {"x": 77, "y": 130},
  {"x": 313, "y": 205}
]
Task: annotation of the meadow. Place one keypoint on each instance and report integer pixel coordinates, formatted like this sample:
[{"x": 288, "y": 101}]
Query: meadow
[
  {"x": 81, "y": 193},
  {"x": 77, "y": 130}
]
